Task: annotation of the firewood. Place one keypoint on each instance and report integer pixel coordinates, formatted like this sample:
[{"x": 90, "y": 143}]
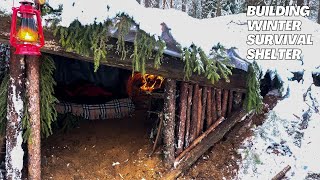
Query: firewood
[
  {"x": 169, "y": 110},
  {"x": 230, "y": 102},
  {"x": 194, "y": 112},
  {"x": 204, "y": 107},
  {"x": 209, "y": 109},
  {"x": 225, "y": 102},
  {"x": 199, "y": 139},
  {"x": 182, "y": 116},
  {"x": 282, "y": 173},
  {"x": 199, "y": 128},
  {"x": 188, "y": 120},
  {"x": 212, "y": 138}
]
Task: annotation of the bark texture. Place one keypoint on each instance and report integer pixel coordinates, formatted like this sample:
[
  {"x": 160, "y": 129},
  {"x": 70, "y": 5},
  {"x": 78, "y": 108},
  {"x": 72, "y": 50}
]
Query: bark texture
[
  {"x": 182, "y": 116},
  {"x": 14, "y": 151},
  {"x": 207, "y": 142},
  {"x": 169, "y": 122},
  {"x": 33, "y": 94}
]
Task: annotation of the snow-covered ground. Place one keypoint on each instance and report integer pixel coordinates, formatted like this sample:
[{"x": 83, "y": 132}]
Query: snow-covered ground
[
  {"x": 283, "y": 139},
  {"x": 289, "y": 136}
]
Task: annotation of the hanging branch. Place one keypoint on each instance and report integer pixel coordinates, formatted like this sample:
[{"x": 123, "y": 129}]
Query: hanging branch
[{"x": 253, "y": 100}]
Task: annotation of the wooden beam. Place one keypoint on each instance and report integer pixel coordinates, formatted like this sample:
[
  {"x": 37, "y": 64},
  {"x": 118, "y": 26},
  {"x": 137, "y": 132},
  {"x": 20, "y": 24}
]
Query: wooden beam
[
  {"x": 171, "y": 67},
  {"x": 188, "y": 120},
  {"x": 182, "y": 116},
  {"x": 211, "y": 139},
  {"x": 169, "y": 122},
  {"x": 194, "y": 113},
  {"x": 33, "y": 94}
]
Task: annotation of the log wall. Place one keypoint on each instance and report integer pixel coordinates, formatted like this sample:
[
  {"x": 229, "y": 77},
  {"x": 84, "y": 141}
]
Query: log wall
[{"x": 199, "y": 110}]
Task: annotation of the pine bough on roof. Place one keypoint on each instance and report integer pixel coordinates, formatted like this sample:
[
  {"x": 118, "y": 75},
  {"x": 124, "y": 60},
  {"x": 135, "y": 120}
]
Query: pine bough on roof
[{"x": 92, "y": 40}]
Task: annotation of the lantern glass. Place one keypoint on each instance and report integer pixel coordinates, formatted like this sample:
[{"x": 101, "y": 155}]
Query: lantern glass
[{"x": 28, "y": 31}]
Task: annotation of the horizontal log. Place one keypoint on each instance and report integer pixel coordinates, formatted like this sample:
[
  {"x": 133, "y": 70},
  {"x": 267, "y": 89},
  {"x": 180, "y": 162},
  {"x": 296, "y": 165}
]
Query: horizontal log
[
  {"x": 171, "y": 67},
  {"x": 211, "y": 139},
  {"x": 199, "y": 139}
]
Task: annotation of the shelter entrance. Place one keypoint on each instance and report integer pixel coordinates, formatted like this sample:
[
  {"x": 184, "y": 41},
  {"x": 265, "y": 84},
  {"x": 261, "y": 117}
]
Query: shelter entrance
[{"x": 112, "y": 145}]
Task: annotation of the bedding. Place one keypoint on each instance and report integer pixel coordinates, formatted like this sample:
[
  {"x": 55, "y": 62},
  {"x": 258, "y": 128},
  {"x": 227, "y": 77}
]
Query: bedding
[{"x": 117, "y": 108}]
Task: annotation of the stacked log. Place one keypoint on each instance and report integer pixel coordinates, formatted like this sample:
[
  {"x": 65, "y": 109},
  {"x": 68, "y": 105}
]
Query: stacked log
[
  {"x": 224, "y": 103},
  {"x": 230, "y": 102},
  {"x": 194, "y": 116},
  {"x": 204, "y": 108},
  {"x": 209, "y": 109},
  {"x": 199, "y": 128},
  {"x": 200, "y": 110},
  {"x": 182, "y": 116},
  {"x": 218, "y": 102}
]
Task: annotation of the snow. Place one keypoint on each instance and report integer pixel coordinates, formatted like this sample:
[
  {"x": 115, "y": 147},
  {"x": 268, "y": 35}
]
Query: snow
[
  {"x": 16, "y": 153},
  {"x": 282, "y": 127},
  {"x": 230, "y": 30}
]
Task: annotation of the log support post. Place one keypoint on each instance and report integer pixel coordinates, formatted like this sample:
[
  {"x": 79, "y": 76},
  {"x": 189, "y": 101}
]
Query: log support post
[
  {"x": 33, "y": 94},
  {"x": 14, "y": 151},
  {"x": 194, "y": 113},
  {"x": 182, "y": 116},
  {"x": 169, "y": 122},
  {"x": 188, "y": 122},
  {"x": 225, "y": 102}
]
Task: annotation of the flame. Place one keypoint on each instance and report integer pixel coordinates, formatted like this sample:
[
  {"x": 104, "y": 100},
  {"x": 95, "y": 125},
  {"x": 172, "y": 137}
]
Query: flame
[
  {"x": 151, "y": 82},
  {"x": 27, "y": 35}
]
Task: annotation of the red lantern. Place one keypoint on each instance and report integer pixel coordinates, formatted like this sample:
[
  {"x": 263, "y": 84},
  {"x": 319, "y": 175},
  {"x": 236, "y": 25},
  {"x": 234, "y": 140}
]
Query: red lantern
[{"x": 28, "y": 37}]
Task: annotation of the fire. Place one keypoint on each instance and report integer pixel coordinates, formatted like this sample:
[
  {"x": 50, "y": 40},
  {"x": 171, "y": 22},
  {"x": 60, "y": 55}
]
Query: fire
[
  {"x": 27, "y": 35},
  {"x": 151, "y": 82}
]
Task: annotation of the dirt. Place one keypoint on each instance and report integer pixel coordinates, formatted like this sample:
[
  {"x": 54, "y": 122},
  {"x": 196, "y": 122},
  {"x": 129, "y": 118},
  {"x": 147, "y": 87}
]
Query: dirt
[
  {"x": 221, "y": 162},
  {"x": 120, "y": 148},
  {"x": 103, "y": 149}
]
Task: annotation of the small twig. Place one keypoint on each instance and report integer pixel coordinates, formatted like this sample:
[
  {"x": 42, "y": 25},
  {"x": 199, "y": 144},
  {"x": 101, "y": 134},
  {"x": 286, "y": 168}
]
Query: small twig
[
  {"x": 160, "y": 115},
  {"x": 297, "y": 116},
  {"x": 315, "y": 110}
]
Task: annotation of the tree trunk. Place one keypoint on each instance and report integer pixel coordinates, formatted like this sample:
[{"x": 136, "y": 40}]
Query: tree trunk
[
  {"x": 169, "y": 122},
  {"x": 184, "y": 6},
  {"x": 14, "y": 151},
  {"x": 319, "y": 13},
  {"x": 194, "y": 112},
  {"x": 33, "y": 94},
  {"x": 188, "y": 122},
  {"x": 182, "y": 116},
  {"x": 218, "y": 8}
]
